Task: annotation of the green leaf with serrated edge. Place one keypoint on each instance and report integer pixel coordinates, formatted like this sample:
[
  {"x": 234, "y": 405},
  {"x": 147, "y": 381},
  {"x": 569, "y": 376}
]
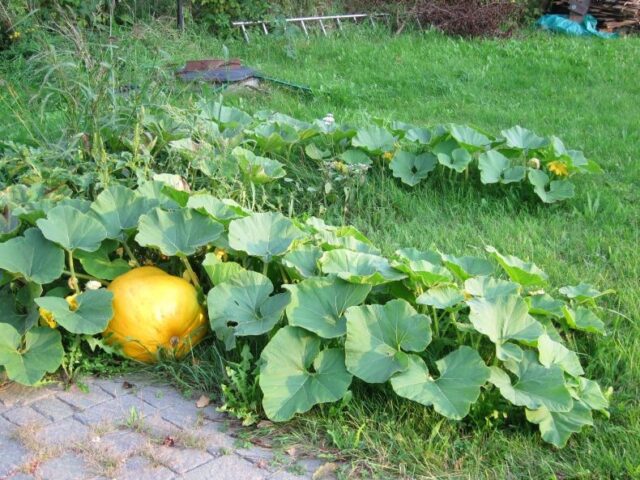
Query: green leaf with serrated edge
[
  {"x": 412, "y": 168},
  {"x": 118, "y": 209},
  {"x": 72, "y": 229},
  {"x": 42, "y": 353},
  {"x": 230, "y": 117},
  {"x": 496, "y": 168},
  {"x": 536, "y": 386},
  {"x": 462, "y": 373},
  {"x": 357, "y": 267},
  {"x": 591, "y": 394},
  {"x": 9, "y": 225},
  {"x": 355, "y": 157},
  {"x": 466, "y": 267},
  {"x": 315, "y": 153},
  {"x": 264, "y": 235},
  {"x": 181, "y": 197},
  {"x": 9, "y": 314},
  {"x": 242, "y": 306},
  {"x": 526, "y": 274},
  {"x": 32, "y": 256},
  {"x": 258, "y": 170},
  {"x": 373, "y": 139},
  {"x": 92, "y": 315},
  {"x": 418, "y": 135},
  {"x": 442, "y": 297},
  {"x": 378, "y": 337},
  {"x": 545, "y": 304},
  {"x": 423, "y": 271},
  {"x": 557, "y": 427},
  {"x": 336, "y": 239},
  {"x": 584, "y": 319},
  {"x": 219, "y": 271},
  {"x": 490, "y": 287},
  {"x": 582, "y": 292},
  {"x": 458, "y": 160},
  {"x": 177, "y": 232},
  {"x": 504, "y": 318},
  {"x": 221, "y": 210},
  {"x": 415, "y": 255},
  {"x": 469, "y": 137},
  {"x": 318, "y": 304},
  {"x": 303, "y": 261},
  {"x": 153, "y": 192},
  {"x": 518, "y": 137},
  {"x": 558, "y": 189},
  {"x": 296, "y": 375},
  {"x": 491, "y": 165},
  {"x": 555, "y": 353},
  {"x": 99, "y": 265}
]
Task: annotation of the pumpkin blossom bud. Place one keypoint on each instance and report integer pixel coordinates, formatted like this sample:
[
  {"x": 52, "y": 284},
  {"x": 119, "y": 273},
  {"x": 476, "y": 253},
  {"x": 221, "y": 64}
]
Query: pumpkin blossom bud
[
  {"x": 92, "y": 285},
  {"x": 221, "y": 254},
  {"x": 388, "y": 156},
  {"x": 534, "y": 163},
  {"x": 46, "y": 318}
]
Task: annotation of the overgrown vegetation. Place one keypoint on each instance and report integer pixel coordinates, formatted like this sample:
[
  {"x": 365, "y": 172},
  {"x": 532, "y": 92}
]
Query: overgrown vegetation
[{"x": 585, "y": 239}]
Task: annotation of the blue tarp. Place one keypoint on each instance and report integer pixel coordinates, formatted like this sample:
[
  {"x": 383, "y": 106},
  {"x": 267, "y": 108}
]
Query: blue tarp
[{"x": 562, "y": 24}]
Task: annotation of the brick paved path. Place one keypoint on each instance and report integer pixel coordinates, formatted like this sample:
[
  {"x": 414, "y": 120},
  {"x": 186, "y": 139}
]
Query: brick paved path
[{"x": 141, "y": 432}]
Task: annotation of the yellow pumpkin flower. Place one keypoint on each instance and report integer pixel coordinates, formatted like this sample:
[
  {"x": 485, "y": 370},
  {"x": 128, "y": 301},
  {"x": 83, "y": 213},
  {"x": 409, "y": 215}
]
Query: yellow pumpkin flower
[
  {"x": 388, "y": 156},
  {"x": 558, "y": 168},
  {"x": 221, "y": 254},
  {"x": 46, "y": 316}
]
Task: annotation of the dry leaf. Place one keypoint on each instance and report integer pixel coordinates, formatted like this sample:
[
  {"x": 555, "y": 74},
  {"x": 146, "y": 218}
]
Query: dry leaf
[
  {"x": 262, "y": 464},
  {"x": 203, "y": 401},
  {"x": 127, "y": 386},
  {"x": 291, "y": 451},
  {"x": 169, "y": 441},
  {"x": 264, "y": 424},
  {"x": 325, "y": 471}
]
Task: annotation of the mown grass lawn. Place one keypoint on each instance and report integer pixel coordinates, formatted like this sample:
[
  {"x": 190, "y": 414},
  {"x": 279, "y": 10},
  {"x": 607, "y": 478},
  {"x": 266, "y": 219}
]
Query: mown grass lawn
[{"x": 585, "y": 91}]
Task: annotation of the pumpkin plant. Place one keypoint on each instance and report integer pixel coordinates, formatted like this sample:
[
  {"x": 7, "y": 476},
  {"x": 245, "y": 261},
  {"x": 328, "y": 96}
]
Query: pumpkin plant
[{"x": 321, "y": 306}]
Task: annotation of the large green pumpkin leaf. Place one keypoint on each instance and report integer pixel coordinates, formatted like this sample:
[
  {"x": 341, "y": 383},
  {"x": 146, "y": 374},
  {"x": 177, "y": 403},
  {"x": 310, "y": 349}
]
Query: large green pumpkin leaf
[
  {"x": 466, "y": 267},
  {"x": 32, "y": 256},
  {"x": 296, "y": 375},
  {"x": 177, "y": 232},
  {"x": 119, "y": 208},
  {"x": 258, "y": 170},
  {"x": 458, "y": 160},
  {"x": 99, "y": 265},
  {"x": 355, "y": 157},
  {"x": 219, "y": 271},
  {"x": 558, "y": 189},
  {"x": 504, "y": 318},
  {"x": 229, "y": 117},
  {"x": 584, "y": 319},
  {"x": 72, "y": 229},
  {"x": 526, "y": 274},
  {"x": 221, "y": 210},
  {"x": 545, "y": 304},
  {"x": 9, "y": 225},
  {"x": 242, "y": 306},
  {"x": 412, "y": 168},
  {"x": 555, "y": 353},
  {"x": 422, "y": 267},
  {"x": 318, "y": 304},
  {"x": 462, "y": 373},
  {"x": 357, "y": 267},
  {"x": 591, "y": 394},
  {"x": 537, "y": 386},
  {"x": 42, "y": 352},
  {"x": 557, "y": 427},
  {"x": 264, "y": 235},
  {"x": 303, "y": 261},
  {"x": 469, "y": 137},
  {"x": 490, "y": 287},
  {"x": 496, "y": 168},
  {"x": 521, "y": 138},
  {"x": 582, "y": 292},
  {"x": 92, "y": 315},
  {"x": 378, "y": 336},
  {"x": 441, "y": 297},
  {"x": 374, "y": 139}
]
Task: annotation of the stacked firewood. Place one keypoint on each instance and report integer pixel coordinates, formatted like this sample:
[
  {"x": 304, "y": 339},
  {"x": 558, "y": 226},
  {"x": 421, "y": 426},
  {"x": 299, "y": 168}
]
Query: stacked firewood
[{"x": 612, "y": 15}]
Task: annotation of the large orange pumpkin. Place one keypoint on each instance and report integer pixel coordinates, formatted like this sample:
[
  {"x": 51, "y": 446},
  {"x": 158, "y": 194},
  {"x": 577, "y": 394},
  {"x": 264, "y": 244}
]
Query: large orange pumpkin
[{"x": 154, "y": 311}]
